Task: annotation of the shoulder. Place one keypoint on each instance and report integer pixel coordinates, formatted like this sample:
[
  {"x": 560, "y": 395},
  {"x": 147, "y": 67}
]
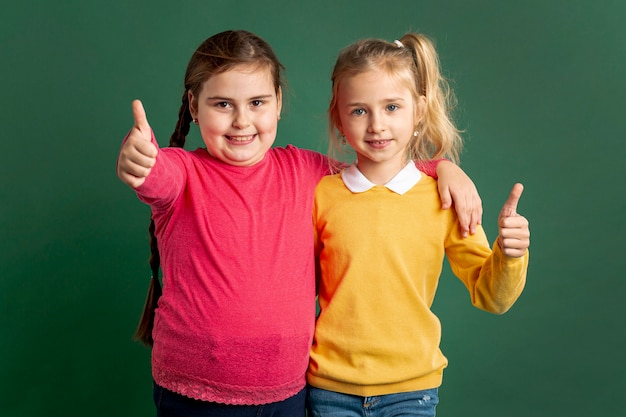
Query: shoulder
[
  {"x": 313, "y": 162},
  {"x": 427, "y": 185},
  {"x": 191, "y": 162},
  {"x": 426, "y": 194},
  {"x": 329, "y": 185},
  {"x": 296, "y": 152},
  {"x": 198, "y": 155},
  {"x": 176, "y": 154},
  {"x": 329, "y": 192},
  {"x": 331, "y": 181}
]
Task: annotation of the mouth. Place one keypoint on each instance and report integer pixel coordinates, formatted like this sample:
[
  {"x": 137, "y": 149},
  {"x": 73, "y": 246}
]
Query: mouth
[
  {"x": 241, "y": 140},
  {"x": 379, "y": 143}
]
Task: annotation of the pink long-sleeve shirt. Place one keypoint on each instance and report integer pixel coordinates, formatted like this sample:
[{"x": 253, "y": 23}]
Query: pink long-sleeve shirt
[{"x": 235, "y": 322}]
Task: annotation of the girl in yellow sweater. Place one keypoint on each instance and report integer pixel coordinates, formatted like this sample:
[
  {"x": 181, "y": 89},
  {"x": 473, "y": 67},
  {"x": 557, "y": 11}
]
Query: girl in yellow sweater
[{"x": 381, "y": 237}]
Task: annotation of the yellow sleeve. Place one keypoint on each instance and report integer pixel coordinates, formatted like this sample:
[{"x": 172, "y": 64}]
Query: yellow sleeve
[{"x": 495, "y": 281}]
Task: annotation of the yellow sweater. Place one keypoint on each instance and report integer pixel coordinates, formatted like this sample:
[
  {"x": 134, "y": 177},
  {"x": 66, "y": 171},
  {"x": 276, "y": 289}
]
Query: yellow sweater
[{"x": 381, "y": 256}]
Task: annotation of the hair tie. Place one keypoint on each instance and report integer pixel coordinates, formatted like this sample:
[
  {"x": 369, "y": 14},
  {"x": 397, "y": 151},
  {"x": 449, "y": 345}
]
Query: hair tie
[{"x": 398, "y": 43}]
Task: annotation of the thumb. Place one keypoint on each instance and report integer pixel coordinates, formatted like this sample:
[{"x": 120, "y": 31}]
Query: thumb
[
  {"x": 510, "y": 206},
  {"x": 141, "y": 121}
]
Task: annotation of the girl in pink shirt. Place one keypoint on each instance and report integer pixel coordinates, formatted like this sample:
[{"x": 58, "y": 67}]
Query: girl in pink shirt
[{"x": 232, "y": 233}]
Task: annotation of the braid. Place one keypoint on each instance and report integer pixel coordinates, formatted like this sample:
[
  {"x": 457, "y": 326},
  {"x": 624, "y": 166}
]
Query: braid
[
  {"x": 183, "y": 124},
  {"x": 217, "y": 54},
  {"x": 146, "y": 323}
]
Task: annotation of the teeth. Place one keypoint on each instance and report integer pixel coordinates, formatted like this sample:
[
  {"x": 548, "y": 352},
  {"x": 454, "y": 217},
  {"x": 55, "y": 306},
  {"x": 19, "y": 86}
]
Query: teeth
[{"x": 240, "y": 138}]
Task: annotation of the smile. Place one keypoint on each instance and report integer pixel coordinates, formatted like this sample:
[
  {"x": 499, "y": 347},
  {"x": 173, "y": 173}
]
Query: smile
[
  {"x": 378, "y": 143},
  {"x": 241, "y": 139}
]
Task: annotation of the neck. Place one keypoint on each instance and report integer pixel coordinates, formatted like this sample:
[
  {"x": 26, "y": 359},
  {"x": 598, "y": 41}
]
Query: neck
[{"x": 380, "y": 173}]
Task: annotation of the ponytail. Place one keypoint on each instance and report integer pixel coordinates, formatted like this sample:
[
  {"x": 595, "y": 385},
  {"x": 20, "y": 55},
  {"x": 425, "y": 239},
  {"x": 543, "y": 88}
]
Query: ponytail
[
  {"x": 143, "y": 333},
  {"x": 438, "y": 136}
]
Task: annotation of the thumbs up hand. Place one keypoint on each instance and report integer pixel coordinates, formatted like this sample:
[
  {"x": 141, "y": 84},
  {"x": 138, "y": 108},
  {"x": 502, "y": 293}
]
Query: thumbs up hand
[
  {"x": 514, "y": 234},
  {"x": 138, "y": 154}
]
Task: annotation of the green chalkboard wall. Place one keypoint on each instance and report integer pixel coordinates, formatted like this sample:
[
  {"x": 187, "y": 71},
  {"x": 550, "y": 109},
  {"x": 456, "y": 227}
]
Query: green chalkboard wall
[{"x": 541, "y": 88}]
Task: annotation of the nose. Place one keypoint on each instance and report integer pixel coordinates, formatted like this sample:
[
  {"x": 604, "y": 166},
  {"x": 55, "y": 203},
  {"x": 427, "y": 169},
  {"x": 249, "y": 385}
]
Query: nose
[
  {"x": 241, "y": 120},
  {"x": 376, "y": 124}
]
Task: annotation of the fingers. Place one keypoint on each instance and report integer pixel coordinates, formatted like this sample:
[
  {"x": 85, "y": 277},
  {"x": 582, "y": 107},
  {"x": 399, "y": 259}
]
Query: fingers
[
  {"x": 131, "y": 180},
  {"x": 444, "y": 195},
  {"x": 469, "y": 211},
  {"x": 133, "y": 167},
  {"x": 455, "y": 187},
  {"x": 514, "y": 236},
  {"x": 476, "y": 214},
  {"x": 510, "y": 206},
  {"x": 139, "y": 158},
  {"x": 460, "y": 204}
]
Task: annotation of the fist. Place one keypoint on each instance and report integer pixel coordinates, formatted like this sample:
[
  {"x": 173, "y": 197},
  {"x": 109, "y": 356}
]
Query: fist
[
  {"x": 514, "y": 234},
  {"x": 138, "y": 153}
]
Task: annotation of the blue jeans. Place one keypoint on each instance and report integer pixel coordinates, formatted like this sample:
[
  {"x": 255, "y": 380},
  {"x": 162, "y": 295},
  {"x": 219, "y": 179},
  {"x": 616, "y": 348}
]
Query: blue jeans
[
  {"x": 171, "y": 404},
  {"x": 323, "y": 403}
]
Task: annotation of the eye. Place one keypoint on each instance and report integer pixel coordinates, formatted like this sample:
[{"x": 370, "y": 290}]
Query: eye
[
  {"x": 222, "y": 104},
  {"x": 358, "y": 112},
  {"x": 256, "y": 103},
  {"x": 392, "y": 107}
]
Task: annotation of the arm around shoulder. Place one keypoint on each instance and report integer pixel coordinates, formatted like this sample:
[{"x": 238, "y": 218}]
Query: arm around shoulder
[{"x": 456, "y": 187}]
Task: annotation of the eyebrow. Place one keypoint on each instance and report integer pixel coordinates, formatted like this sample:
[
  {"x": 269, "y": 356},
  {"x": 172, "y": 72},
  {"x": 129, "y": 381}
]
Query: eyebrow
[
  {"x": 387, "y": 100},
  {"x": 265, "y": 96}
]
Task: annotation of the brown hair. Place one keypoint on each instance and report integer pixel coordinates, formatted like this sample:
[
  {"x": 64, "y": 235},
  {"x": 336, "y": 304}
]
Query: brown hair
[{"x": 218, "y": 54}]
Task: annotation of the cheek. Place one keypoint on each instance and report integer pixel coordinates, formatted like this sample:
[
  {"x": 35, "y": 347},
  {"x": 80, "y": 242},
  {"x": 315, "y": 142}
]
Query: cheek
[
  {"x": 268, "y": 123},
  {"x": 208, "y": 133},
  {"x": 214, "y": 125},
  {"x": 352, "y": 128}
]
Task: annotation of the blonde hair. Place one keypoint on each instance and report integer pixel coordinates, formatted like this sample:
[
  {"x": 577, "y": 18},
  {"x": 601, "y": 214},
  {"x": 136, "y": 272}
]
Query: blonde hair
[{"x": 414, "y": 62}]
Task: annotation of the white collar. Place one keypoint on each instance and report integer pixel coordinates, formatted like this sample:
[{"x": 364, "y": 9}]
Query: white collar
[{"x": 402, "y": 182}]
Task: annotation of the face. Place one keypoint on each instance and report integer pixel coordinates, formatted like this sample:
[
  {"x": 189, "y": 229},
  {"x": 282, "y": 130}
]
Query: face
[
  {"x": 237, "y": 113},
  {"x": 377, "y": 115}
]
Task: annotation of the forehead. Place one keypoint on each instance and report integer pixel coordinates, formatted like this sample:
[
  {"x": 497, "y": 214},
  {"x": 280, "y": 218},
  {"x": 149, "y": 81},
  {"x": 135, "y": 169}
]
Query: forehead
[
  {"x": 246, "y": 80},
  {"x": 373, "y": 85}
]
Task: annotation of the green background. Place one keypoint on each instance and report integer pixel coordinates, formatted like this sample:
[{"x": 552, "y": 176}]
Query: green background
[{"x": 541, "y": 91}]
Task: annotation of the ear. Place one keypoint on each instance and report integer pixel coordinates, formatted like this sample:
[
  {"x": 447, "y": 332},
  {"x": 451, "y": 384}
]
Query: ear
[
  {"x": 279, "y": 101},
  {"x": 192, "y": 105}
]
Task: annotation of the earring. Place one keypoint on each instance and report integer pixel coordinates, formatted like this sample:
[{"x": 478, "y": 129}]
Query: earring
[
  {"x": 343, "y": 139},
  {"x": 195, "y": 121},
  {"x": 417, "y": 132}
]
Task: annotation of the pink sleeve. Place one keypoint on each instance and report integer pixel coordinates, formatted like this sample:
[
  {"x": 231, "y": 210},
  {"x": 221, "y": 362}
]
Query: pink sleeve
[
  {"x": 429, "y": 167},
  {"x": 166, "y": 180}
]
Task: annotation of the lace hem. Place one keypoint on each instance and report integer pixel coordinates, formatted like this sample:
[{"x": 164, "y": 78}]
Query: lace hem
[{"x": 224, "y": 393}]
